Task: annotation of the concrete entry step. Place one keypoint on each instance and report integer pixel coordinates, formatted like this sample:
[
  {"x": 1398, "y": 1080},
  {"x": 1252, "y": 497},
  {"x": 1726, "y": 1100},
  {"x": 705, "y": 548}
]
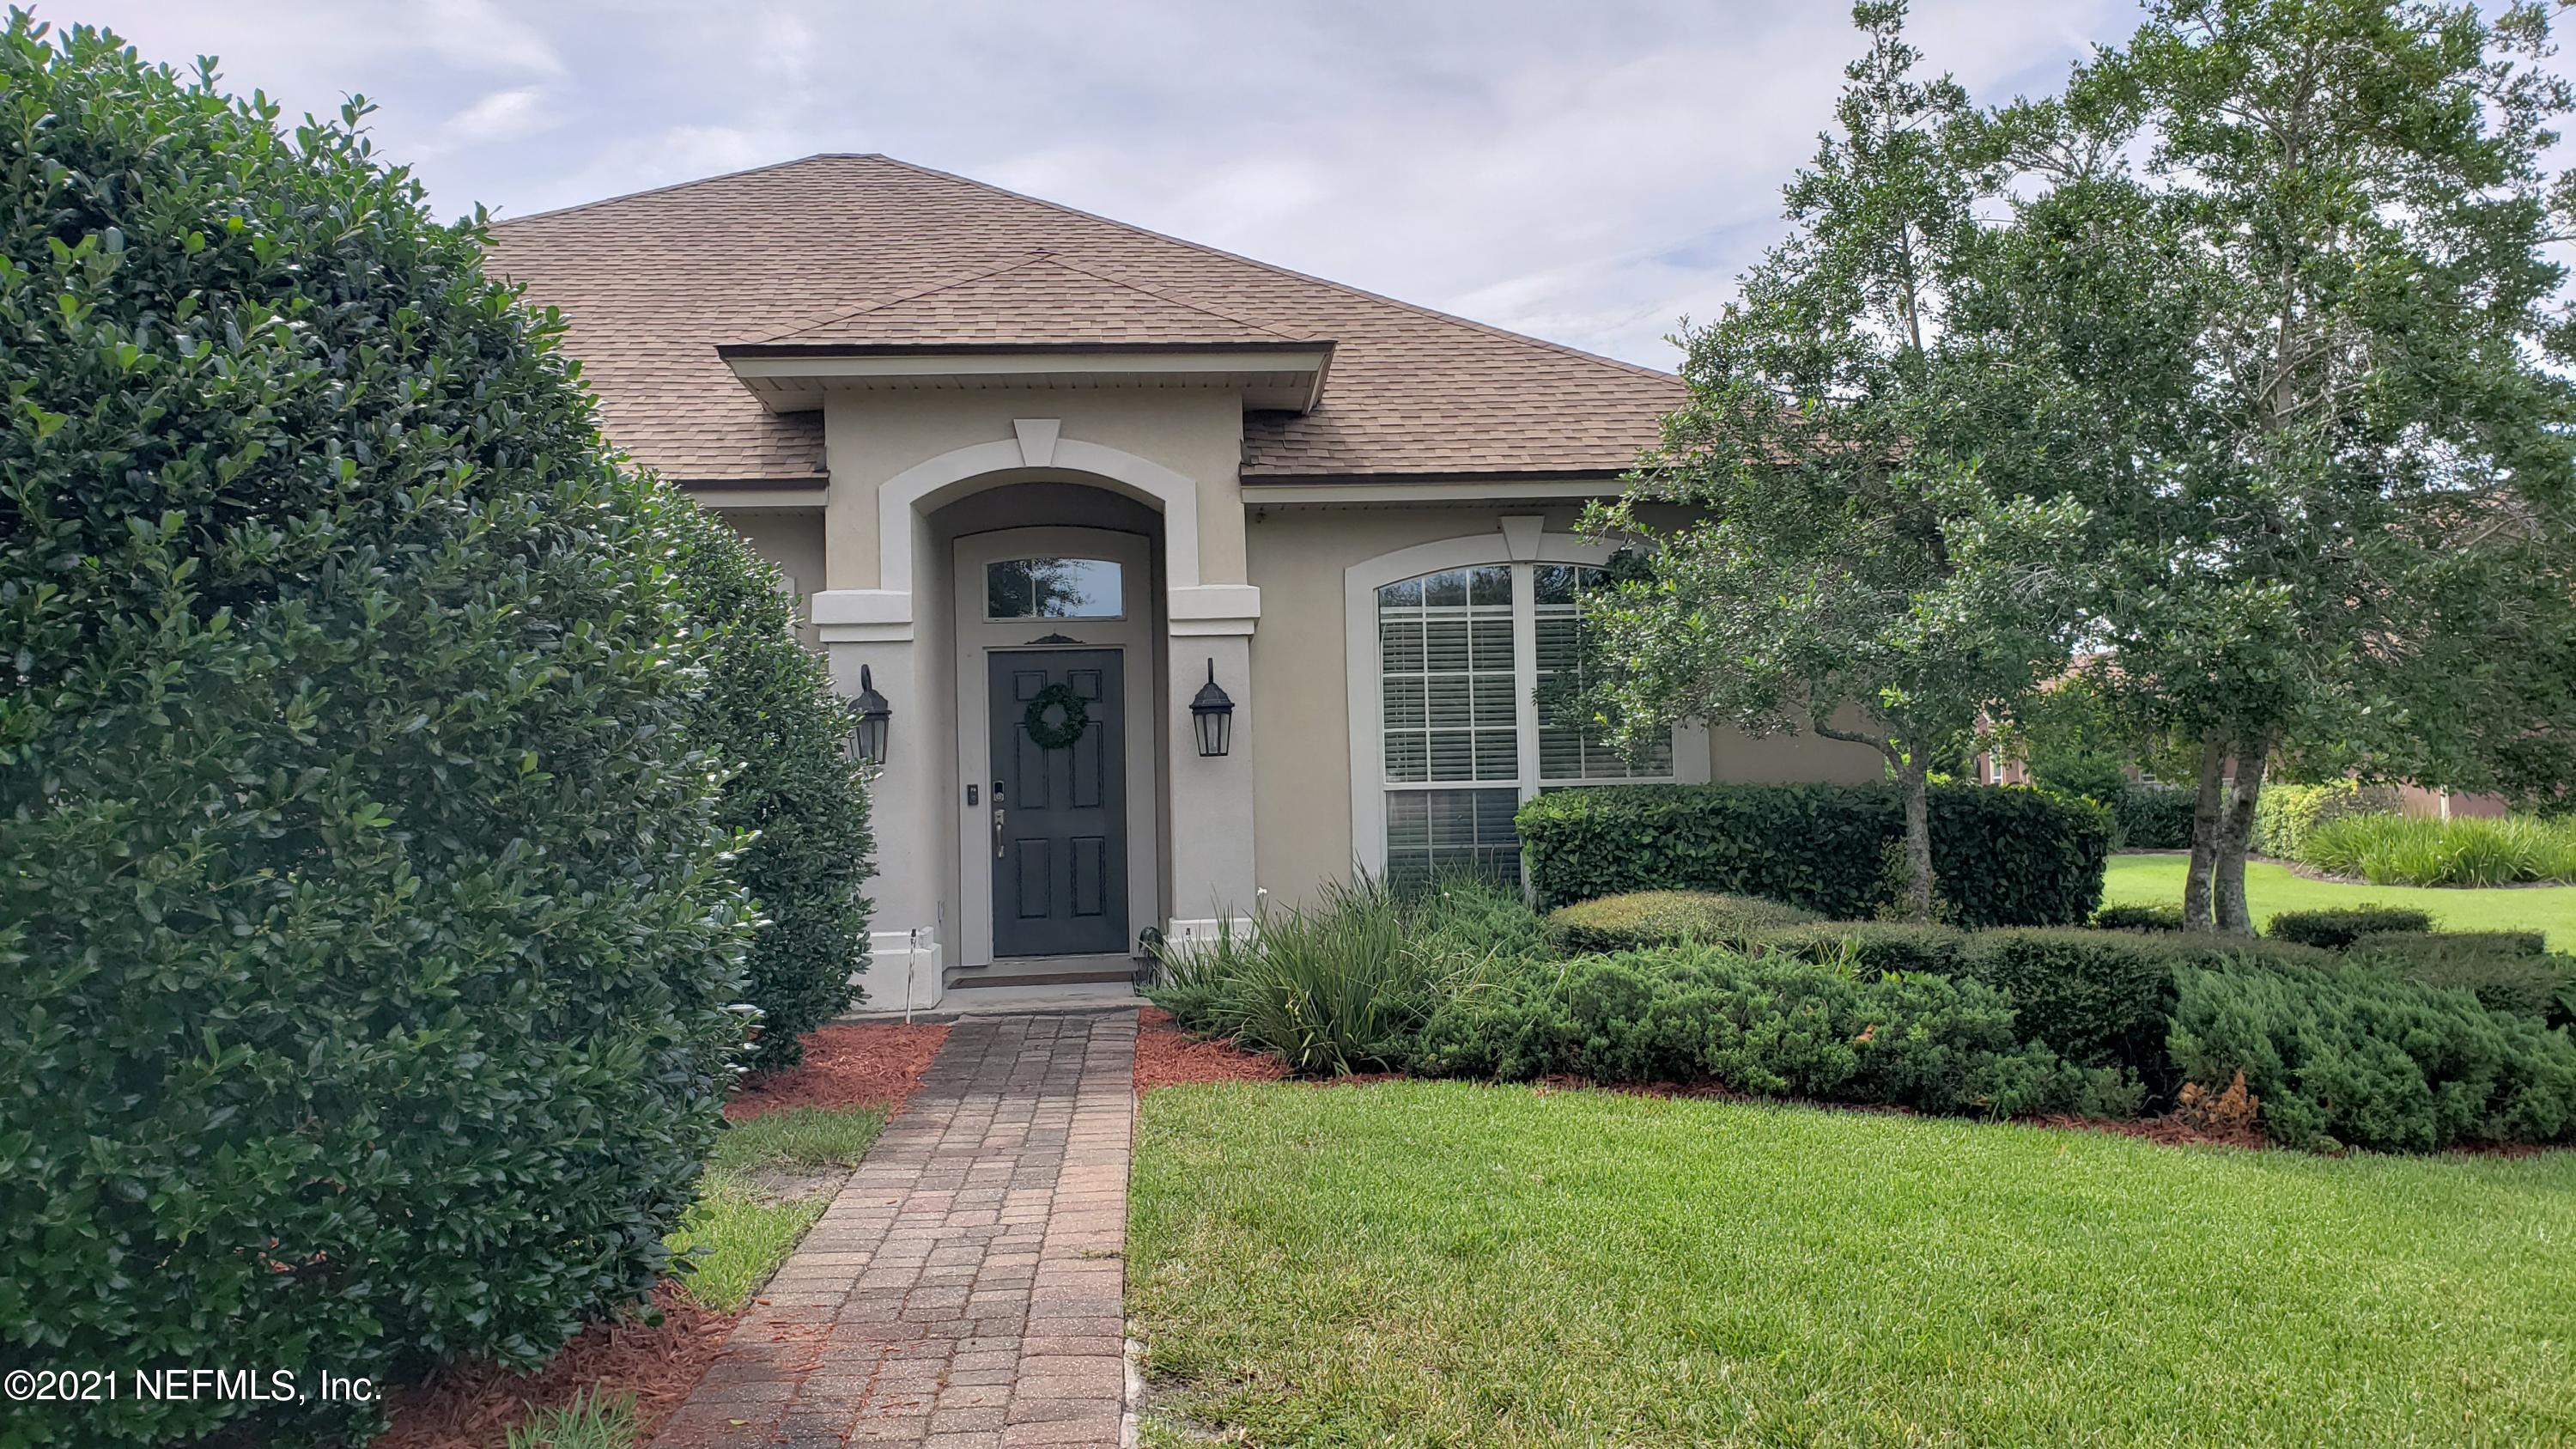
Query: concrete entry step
[
  {"x": 1005, "y": 1000},
  {"x": 1043, "y": 971}
]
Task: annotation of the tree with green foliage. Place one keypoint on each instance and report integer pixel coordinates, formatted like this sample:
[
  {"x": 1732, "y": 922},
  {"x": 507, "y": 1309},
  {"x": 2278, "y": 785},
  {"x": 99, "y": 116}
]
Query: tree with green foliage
[
  {"x": 366, "y": 899},
  {"x": 2343, "y": 444},
  {"x": 770, "y": 711},
  {"x": 1855, "y": 568}
]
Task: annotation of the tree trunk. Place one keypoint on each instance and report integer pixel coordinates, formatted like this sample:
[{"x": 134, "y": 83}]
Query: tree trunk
[
  {"x": 2207, "y": 816},
  {"x": 2227, "y": 872},
  {"x": 1918, "y": 839}
]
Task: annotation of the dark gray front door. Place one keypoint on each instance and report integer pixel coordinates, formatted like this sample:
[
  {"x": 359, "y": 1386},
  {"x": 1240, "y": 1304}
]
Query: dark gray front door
[{"x": 1060, "y": 851}]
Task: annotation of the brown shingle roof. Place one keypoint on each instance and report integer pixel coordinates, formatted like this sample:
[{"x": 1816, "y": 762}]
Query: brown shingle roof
[
  {"x": 1039, "y": 302},
  {"x": 864, "y": 249}
]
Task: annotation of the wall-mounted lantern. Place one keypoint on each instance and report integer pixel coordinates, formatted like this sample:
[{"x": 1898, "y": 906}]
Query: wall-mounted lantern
[
  {"x": 1213, "y": 712},
  {"x": 869, "y": 716}
]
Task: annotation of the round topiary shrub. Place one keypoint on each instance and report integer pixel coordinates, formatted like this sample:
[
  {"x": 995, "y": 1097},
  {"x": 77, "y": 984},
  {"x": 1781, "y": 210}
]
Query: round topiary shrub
[
  {"x": 1663, "y": 918},
  {"x": 771, "y": 712},
  {"x": 364, "y": 905}
]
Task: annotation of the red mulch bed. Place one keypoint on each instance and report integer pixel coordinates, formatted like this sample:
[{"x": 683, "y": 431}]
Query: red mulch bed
[
  {"x": 1167, "y": 1057},
  {"x": 876, "y": 1065},
  {"x": 472, "y": 1406}
]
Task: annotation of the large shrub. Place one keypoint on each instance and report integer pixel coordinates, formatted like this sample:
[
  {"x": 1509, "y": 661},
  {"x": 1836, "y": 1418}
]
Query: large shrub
[
  {"x": 2004, "y": 856},
  {"x": 2286, "y": 815},
  {"x": 2152, "y": 817},
  {"x": 2358, "y": 1058},
  {"x": 771, "y": 711},
  {"x": 2337, "y": 927},
  {"x": 2139, "y": 917},
  {"x": 1664, "y": 918},
  {"x": 1773, "y": 1026},
  {"x": 2105, "y": 998},
  {"x": 363, "y": 901}
]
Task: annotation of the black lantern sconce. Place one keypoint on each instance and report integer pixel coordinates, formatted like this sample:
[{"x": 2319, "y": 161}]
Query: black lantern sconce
[
  {"x": 869, "y": 716},
  {"x": 1213, "y": 713}
]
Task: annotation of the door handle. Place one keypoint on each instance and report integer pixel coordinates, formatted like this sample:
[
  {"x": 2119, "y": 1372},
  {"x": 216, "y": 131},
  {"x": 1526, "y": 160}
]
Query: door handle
[{"x": 997, "y": 820}]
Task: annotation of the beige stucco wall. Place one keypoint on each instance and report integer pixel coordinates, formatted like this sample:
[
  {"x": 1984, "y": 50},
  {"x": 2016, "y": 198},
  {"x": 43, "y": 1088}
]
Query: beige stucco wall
[
  {"x": 791, "y": 538},
  {"x": 872, "y": 437},
  {"x": 1302, "y": 778}
]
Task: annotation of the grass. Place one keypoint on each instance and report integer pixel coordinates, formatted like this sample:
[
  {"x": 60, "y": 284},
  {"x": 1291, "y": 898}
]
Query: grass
[
  {"x": 1443, "y": 1263},
  {"x": 738, "y": 1233},
  {"x": 588, "y": 1422},
  {"x": 2271, "y": 888},
  {"x": 807, "y": 1137}
]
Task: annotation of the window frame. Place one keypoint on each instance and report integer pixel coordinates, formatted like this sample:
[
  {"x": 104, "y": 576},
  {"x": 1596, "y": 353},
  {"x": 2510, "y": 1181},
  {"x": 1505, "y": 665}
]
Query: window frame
[{"x": 1523, "y": 544}]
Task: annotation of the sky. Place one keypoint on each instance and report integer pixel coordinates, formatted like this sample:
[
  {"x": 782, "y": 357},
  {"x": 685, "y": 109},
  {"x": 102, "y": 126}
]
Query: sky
[{"x": 1589, "y": 171}]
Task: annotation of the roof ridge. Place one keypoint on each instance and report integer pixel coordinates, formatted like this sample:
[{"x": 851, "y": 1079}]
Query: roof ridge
[
  {"x": 1470, "y": 323},
  {"x": 1161, "y": 294},
  {"x": 554, "y": 211},
  {"x": 860, "y": 309}
]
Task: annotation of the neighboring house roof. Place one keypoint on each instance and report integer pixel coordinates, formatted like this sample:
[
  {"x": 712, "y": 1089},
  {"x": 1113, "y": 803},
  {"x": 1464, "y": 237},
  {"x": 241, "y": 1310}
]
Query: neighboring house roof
[{"x": 868, "y": 251}]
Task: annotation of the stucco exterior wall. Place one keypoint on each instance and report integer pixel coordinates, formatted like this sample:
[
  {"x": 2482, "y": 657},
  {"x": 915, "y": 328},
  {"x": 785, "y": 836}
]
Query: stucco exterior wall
[
  {"x": 1302, "y": 777},
  {"x": 873, "y": 437},
  {"x": 791, "y": 538}
]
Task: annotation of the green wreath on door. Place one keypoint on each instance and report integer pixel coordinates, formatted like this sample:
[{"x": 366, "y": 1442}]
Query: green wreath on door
[{"x": 1056, "y": 736}]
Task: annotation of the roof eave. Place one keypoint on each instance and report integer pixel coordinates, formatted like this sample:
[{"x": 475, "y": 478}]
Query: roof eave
[{"x": 1268, "y": 375}]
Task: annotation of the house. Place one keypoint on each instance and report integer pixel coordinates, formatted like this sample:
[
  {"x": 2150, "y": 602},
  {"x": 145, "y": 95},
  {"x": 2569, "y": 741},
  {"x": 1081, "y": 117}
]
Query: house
[{"x": 1044, "y": 480}]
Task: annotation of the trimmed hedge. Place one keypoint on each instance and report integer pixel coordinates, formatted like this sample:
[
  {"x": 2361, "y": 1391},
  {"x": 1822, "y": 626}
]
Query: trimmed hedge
[
  {"x": 1666, "y": 918},
  {"x": 1774, "y": 1027},
  {"x": 2336, "y": 928},
  {"x": 2501, "y": 943},
  {"x": 769, "y": 706},
  {"x": 2153, "y": 817},
  {"x": 2006, "y": 856},
  {"x": 2505, "y": 970},
  {"x": 2358, "y": 1058},
  {"x": 2138, "y": 918},
  {"x": 366, "y": 917},
  {"x": 2096, "y": 997},
  {"x": 1875, "y": 946}
]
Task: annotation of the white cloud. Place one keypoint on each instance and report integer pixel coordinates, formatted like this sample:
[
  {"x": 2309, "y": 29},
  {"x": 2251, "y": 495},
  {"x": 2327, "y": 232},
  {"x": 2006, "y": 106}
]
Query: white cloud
[
  {"x": 1588, "y": 173},
  {"x": 501, "y": 116}
]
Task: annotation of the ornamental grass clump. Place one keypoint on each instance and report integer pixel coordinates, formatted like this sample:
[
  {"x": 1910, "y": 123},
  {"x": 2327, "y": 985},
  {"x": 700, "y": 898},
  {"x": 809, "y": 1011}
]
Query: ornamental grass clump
[
  {"x": 1343, "y": 983},
  {"x": 2463, "y": 851},
  {"x": 372, "y": 944}
]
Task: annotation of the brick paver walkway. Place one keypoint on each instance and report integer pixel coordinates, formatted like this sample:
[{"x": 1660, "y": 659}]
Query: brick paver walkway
[{"x": 963, "y": 1289}]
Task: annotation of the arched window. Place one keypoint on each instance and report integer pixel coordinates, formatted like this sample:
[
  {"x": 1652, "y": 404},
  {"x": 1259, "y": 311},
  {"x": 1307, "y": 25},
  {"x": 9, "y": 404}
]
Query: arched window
[{"x": 1462, "y": 656}]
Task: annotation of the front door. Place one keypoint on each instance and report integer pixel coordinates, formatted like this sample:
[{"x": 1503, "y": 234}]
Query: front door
[{"x": 1059, "y": 803}]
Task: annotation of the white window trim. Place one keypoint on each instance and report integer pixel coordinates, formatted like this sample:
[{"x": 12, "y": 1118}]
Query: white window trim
[{"x": 1519, "y": 540}]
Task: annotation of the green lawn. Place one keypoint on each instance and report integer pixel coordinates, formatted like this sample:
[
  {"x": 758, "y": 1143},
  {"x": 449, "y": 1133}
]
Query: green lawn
[
  {"x": 739, "y": 1230},
  {"x": 1445, "y": 1263},
  {"x": 2157, "y": 879}
]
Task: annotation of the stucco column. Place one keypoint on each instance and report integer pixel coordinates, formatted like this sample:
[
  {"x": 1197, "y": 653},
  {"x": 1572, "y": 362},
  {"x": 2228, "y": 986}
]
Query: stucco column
[
  {"x": 861, "y": 629},
  {"x": 1213, "y": 879}
]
